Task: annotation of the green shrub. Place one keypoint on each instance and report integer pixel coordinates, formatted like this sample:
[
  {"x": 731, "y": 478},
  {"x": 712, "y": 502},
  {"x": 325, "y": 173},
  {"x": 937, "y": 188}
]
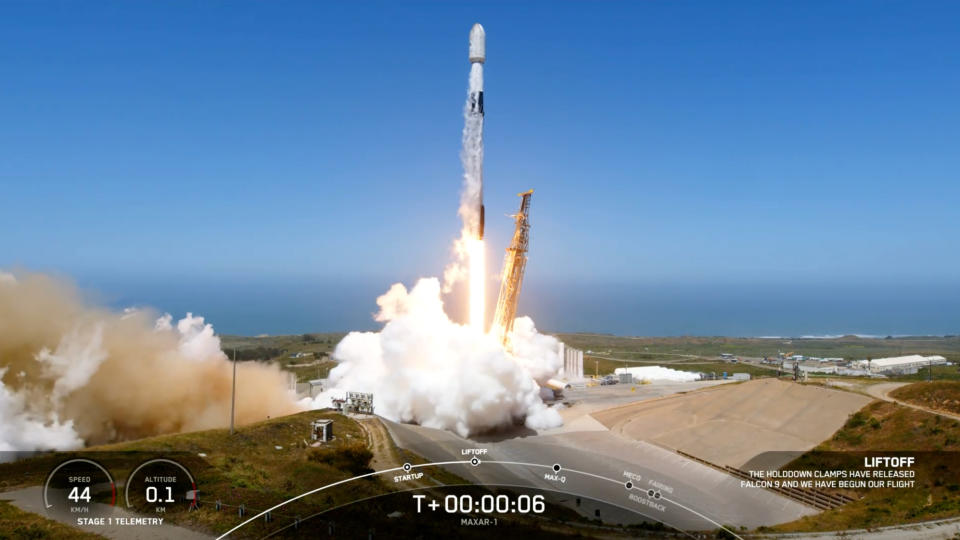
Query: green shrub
[
  {"x": 856, "y": 420},
  {"x": 849, "y": 437},
  {"x": 725, "y": 533},
  {"x": 353, "y": 457},
  {"x": 29, "y": 533}
]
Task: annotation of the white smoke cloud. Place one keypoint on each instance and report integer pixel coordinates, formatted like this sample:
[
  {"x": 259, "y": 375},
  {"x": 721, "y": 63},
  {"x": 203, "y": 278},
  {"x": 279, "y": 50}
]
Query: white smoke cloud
[
  {"x": 197, "y": 340},
  {"x": 76, "y": 358},
  {"x": 23, "y": 429},
  {"x": 164, "y": 323},
  {"x": 528, "y": 345},
  {"x": 658, "y": 373},
  {"x": 71, "y": 374},
  {"x": 424, "y": 368}
]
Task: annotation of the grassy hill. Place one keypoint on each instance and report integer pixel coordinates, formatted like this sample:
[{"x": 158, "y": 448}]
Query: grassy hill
[
  {"x": 937, "y": 395},
  {"x": 305, "y": 355},
  {"x": 258, "y": 467},
  {"x": 280, "y": 347},
  {"x": 884, "y": 426}
]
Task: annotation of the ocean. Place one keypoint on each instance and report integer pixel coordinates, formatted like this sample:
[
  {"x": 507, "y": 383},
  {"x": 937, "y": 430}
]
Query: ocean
[{"x": 294, "y": 306}]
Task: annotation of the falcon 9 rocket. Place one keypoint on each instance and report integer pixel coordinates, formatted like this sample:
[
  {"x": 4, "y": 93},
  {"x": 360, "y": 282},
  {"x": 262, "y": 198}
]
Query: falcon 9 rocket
[{"x": 478, "y": 54}]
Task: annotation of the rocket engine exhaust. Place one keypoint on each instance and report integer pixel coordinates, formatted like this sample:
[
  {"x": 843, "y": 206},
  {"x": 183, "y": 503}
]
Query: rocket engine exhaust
[{"x": 425, "y": 368}]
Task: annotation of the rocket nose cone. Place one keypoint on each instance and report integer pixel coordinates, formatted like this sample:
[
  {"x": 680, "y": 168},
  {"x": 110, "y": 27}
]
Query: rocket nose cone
[{"x": 478, "y": 45}]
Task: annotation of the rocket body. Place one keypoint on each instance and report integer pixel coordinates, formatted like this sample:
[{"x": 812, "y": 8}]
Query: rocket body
[{"x": 477, "y": 56}]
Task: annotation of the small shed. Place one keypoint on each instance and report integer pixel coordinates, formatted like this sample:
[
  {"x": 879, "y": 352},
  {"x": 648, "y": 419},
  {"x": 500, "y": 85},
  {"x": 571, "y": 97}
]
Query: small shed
[{"x": 321, "y": 430}]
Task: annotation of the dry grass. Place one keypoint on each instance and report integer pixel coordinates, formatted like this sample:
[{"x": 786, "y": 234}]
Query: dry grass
[
  {"x": 15, "y": 524},
  {"x": 938, "y": 395},
  {"x": 884, "y": 426}
]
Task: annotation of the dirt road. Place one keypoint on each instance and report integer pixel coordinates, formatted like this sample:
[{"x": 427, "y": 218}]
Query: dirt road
[
  {"x": 386, "y": 455},
  {"x": 882, "y": 391}
]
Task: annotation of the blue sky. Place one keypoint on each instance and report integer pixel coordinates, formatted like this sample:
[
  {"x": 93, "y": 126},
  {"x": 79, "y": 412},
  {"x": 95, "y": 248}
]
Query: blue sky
[{"x": 688, "y": 145}]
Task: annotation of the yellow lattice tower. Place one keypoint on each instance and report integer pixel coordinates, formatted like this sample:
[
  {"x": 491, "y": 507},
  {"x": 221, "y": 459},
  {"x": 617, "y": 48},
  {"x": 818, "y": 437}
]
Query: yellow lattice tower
[{"x": 514, "y": 264}]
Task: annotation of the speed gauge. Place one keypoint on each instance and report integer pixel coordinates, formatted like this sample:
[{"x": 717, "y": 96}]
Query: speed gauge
[{"x": 81, "y": 488}]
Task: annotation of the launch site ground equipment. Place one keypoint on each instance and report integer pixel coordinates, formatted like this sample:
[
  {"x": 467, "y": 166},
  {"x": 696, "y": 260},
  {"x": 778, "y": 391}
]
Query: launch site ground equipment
[{"x": 358, "y": 402}]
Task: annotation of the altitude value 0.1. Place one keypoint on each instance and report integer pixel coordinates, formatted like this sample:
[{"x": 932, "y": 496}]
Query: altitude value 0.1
[
  {"x": 486, "y": 504},
  {"x": 153, "y": 496}
]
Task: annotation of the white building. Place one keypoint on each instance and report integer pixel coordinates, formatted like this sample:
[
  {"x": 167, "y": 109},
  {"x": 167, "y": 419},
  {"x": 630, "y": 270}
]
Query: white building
[
  {"x": 901, "y": 364},
  {"x": 572, "y": 363}
]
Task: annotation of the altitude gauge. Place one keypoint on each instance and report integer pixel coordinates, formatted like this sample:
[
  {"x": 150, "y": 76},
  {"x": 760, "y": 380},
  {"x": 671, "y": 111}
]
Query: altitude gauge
[
  {"x": 161, "y": 487},
  {"x": 80, "y": 488}
]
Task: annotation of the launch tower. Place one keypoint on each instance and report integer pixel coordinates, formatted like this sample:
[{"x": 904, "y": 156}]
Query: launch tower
[{"x": 514, "y": 264}]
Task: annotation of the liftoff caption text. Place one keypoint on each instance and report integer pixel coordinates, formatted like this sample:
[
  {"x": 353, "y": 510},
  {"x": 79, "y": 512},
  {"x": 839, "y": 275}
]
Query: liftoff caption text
[{"x": 877, "y": 472}]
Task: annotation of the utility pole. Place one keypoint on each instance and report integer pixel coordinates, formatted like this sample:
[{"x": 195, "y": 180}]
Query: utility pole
[
  {"x": 233, "y": 391},
  {"x": 596, "y": 368}
]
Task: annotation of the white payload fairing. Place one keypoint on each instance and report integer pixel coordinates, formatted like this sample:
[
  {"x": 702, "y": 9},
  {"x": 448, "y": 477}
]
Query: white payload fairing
[
  {"x": 478, "y": 55},
  {"x": 478, "y": 44}
]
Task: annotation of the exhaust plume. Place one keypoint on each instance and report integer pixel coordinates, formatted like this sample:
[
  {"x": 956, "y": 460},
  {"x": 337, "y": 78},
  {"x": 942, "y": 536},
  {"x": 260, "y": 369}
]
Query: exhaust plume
[
  {"x": 426, "y": 369},
  {"x": 72, "y": 374},
  {"x": 471, "y": 194}
]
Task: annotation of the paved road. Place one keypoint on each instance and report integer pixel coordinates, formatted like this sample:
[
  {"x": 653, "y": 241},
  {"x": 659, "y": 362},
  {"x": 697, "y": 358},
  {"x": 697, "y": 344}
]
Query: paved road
[
  {"x": 780, "y": 420},
  {"x": 882, "y": 391},
  {"x": 585, "y": 444},
  {"x": 710, "y": 496},
  {"x": 31, "y": 500}
]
